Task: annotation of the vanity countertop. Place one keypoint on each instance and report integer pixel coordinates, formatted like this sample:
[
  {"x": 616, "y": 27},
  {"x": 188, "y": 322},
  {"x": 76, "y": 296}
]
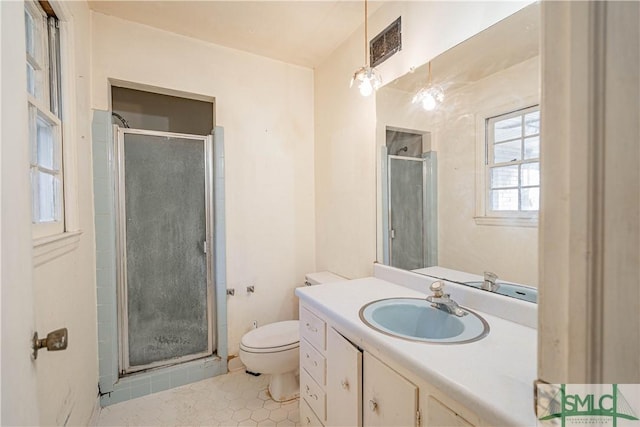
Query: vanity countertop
[{"x": 492, "y": 377}]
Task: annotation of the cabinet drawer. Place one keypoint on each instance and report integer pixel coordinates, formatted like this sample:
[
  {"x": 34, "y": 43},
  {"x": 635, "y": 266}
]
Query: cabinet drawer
[
  {"x": 312, "y": 328},
  {"x": 313, "y": 394},
  {"x": 307, "y": 417},
  {"x": 312, "y": 361}
]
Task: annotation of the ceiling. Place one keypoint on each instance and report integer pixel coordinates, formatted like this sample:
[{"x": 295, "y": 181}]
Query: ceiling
[
  {"x": 506, "y": 43},
  {"x": 299, "y": 32}
]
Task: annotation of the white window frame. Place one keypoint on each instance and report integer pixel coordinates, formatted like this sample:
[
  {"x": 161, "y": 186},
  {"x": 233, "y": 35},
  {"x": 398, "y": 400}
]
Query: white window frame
[
  {"x": 37, "y": 112},
  {"x": 51, "y": 241},
  {"x": 39, "y": 61},
  {"x": 484, "y": 215}
]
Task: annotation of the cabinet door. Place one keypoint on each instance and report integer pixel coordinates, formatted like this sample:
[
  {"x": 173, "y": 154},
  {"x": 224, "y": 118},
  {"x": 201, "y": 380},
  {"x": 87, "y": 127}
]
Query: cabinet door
[
  {"x": 388, "y": 398},
  {"x": 344, "y": 381},
  {"x": 439, "y": 415}
]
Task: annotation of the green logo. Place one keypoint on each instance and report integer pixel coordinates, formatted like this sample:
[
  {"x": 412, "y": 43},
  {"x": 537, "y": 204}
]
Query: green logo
[{"x": 584, "y": 404}]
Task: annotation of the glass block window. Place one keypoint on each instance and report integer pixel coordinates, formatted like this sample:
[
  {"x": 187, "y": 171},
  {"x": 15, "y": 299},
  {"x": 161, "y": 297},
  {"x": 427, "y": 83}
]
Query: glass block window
[
  {"x": 45, "y": 126},
  {"x": 513, "y": 163}
]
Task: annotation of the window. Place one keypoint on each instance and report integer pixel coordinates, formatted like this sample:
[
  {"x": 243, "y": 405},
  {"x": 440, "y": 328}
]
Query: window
[
  {"x": 45, "y": 126},
  {"x": 510, "y": 176}
]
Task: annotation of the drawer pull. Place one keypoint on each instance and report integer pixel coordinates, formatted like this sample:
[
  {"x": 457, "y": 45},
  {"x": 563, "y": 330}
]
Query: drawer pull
[
  {"x": 308, "y": 421},
  {"x": 345, "y": 384},
  {"x": 373, "y": 405},
  {"x": 308, "y": 390},
  {"x": 311, "y": 328},
  {"x": 315, "y": 362}
]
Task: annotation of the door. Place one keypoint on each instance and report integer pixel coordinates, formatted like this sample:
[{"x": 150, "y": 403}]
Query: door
[
  {"x": 164, "y": 248},
  {"x": 19, "y": 385},
  {"x": 389, "y": 399},
  {"x": 344, "y": 381}
]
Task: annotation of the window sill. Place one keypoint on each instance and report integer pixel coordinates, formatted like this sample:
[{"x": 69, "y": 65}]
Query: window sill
[
  {"x": 506, "y": 221},
  {"x": 48, "y": 248}
]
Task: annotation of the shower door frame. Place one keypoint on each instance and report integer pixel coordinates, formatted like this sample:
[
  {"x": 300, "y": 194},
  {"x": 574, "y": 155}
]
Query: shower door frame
[{"x": 124, "y": 367}]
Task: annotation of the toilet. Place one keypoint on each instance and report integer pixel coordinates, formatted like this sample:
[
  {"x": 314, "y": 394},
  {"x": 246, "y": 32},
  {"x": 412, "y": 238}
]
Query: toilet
[{"x": 274, "y": 349}]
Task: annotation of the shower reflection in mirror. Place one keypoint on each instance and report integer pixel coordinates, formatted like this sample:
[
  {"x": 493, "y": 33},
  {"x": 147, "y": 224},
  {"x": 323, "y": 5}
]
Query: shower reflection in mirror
[{"x": 409, "y": 168}]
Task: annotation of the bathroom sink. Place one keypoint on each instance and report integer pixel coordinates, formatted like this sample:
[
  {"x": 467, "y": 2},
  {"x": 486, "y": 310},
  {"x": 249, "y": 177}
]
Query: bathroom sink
[
  {"x": 415, "y": 319},
  {"x": 524, "y": 293}
]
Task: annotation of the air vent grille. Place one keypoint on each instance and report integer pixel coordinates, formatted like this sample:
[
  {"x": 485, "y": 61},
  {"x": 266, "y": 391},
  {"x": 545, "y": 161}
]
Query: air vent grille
[{"x": 385, "y": 44}]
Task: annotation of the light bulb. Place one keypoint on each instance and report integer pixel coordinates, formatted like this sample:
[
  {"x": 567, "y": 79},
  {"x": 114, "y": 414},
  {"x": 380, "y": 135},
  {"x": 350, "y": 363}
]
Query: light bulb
[
  {"x": 365, "y": 87},
  {"x": 428, "y": 102},
  {"x": 429, "y": 97},
  {"x": 368, "y": 80}
]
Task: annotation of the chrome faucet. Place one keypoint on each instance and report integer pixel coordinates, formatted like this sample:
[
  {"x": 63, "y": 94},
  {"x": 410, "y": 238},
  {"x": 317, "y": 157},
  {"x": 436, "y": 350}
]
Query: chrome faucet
[
  {"x": 442, "y": 301},
  {"x": 489, "y": 283}
]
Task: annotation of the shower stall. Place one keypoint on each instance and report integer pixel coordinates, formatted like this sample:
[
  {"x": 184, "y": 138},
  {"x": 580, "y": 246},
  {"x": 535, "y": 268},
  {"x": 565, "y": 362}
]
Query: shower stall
[
  {"x": 164, "y": 221},
  {"x": 409, "y": 191}
]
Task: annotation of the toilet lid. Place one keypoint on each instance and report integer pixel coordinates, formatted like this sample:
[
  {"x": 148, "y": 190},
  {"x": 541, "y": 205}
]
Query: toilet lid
[{"x": 273, "y": 335}]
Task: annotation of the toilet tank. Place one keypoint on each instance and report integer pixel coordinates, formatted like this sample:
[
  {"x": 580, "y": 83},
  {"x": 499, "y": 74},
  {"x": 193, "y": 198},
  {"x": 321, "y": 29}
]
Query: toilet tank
[{"x": 320, "y": 277}]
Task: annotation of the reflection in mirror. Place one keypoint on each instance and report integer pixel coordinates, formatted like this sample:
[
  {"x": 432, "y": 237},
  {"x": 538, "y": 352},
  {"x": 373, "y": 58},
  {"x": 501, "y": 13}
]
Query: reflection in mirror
[{"x": 460, "y": 184}]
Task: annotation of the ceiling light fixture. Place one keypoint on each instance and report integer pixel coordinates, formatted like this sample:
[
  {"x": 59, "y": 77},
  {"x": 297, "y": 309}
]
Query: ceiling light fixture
[
  {"x": 429, "y": 96},
  {"x": 368, "y": 78}
]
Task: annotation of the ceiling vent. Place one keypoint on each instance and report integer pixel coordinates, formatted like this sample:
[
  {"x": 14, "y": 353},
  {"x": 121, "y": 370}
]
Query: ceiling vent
[{"x": 385, "y": 44}]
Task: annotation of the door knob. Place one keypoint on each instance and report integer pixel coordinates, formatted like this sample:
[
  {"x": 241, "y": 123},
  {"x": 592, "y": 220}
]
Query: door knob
[{"x": 56, "y": 340}]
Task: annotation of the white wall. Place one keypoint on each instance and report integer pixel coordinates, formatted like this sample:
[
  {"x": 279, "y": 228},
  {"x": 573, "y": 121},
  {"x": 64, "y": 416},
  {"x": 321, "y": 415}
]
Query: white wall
[
  {"x": 266, "y": 108},
  {"x": 345, "y": 123},
  {"x": 345, "y": 168},
  {"x": 511, "y": 252},
  {"x": 60, "y": 292}
]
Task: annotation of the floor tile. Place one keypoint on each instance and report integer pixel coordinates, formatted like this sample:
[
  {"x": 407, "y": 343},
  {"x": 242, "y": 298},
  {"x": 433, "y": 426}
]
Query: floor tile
[{"x": 234, "y": 399}]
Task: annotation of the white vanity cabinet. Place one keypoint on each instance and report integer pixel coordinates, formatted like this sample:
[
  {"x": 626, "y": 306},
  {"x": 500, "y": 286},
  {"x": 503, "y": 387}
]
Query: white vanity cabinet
[
  {"x": 341, "y": 385},
  {"x": 330, "y": 375}
]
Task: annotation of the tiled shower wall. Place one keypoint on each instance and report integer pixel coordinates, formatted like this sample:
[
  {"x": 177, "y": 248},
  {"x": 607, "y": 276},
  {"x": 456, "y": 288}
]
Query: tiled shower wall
[{"x": 112, "y": 388}]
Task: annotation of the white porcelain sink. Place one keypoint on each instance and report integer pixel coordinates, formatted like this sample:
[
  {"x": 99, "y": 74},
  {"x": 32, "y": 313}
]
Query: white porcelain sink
[{"x": 415, "y": 319}]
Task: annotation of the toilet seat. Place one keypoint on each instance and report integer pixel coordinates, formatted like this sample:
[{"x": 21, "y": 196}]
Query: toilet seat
[
  {"x": 272, "y": 338},
  {"x": 270, "y": 349}
]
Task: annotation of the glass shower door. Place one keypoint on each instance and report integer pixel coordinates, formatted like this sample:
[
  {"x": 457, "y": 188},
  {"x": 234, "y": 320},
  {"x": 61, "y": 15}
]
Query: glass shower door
[
  {"x": 165, "y": 299},
  {"x": 412, "y": 211},
  {"x": 406, "y": 213}
]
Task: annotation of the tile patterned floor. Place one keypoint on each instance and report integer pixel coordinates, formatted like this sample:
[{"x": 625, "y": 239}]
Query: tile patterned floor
[{"x": 234, "y": 399}]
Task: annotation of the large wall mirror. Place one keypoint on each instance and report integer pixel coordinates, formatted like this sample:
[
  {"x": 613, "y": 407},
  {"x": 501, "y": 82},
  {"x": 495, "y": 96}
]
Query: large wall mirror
[{"x": 459, "y": 179}]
